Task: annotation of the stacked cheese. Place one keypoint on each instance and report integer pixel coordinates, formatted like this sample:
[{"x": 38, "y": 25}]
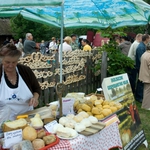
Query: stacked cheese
[{"x": 97, "y": 107}]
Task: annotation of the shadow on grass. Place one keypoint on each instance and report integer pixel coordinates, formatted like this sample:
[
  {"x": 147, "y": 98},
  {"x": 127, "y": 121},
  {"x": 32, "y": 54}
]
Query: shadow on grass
[{"x": 144, "y": 115}]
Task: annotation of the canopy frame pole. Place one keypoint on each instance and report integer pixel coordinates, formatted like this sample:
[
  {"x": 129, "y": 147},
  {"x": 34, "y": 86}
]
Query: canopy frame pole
[{"x": 61, "y": 43}]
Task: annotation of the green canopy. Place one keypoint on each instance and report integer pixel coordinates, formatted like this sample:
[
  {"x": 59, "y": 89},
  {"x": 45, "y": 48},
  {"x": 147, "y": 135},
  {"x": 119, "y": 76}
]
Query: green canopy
[{"x": 31, "y": 3}]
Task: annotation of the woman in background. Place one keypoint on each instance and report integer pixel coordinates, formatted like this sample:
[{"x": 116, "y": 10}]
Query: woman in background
[{"x": 86, "y": 45}]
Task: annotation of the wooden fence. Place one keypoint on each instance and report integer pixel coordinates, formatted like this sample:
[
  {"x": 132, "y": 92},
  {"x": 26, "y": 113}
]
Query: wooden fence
[{"x": 78, "y": 72}]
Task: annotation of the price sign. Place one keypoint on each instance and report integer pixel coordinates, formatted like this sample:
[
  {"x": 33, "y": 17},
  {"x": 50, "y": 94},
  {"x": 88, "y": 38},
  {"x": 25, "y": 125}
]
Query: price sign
[
  {"x": 67, "y": 104},
  {"x": 49, "y": 127},
  {"x": 12, "y": 137}
]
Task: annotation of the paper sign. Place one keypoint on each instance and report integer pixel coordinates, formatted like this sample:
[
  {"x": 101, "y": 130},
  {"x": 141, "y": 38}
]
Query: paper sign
[
  {"x": 12, "y": 137},
  {"x": 67, "y": 104},
  {"x": 49, "y": 127}
]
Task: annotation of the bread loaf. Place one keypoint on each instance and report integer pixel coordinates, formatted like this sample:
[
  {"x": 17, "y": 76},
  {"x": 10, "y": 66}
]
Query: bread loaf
[
  {"x": 14, "y": 125},
  {"x": 29, "y": 133},
  {"x": 38, "y": 144}
]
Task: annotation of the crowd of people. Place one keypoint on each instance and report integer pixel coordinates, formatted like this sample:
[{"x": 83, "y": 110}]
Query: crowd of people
[
  {"x": 139, "y": 76},
  {"x": 138, "y": 51},
  {"x": 70, "y": 43}
]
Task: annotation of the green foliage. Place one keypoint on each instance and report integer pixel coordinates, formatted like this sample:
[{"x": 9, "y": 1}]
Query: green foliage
[
  {"x": 118, "y": 63},
  {"x": 21, "y": 26}
]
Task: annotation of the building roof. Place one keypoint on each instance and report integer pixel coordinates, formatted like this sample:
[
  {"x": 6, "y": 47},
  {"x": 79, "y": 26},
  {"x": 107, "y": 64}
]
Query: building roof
[{"x": 5, "y": 27}]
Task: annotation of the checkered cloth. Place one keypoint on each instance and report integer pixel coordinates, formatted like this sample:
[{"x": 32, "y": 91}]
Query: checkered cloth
[
  {"x": 106, "y": 139},
  {"x": 63, "y": 145}
]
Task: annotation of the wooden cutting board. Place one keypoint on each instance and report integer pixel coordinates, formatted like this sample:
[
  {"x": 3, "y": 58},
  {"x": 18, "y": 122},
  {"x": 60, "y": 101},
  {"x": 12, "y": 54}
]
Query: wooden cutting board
[{"x": 94, "y": 128}]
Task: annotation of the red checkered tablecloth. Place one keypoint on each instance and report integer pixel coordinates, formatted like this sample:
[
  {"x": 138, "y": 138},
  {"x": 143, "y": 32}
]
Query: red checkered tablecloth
[
  {"x": 108, "y": 138},
  {"x": 63, "y": 145}
]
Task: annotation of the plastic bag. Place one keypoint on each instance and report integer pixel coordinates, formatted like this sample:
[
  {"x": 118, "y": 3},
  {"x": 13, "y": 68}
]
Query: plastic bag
[{"x": 4, "y": 114}]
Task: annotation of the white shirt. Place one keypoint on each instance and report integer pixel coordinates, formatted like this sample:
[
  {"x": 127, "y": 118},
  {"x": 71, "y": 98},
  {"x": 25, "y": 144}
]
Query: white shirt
[
  {"x": 66, "y": 47},
  {"x": 132, "y": 50},
  {"x": 52, "y": 45}
]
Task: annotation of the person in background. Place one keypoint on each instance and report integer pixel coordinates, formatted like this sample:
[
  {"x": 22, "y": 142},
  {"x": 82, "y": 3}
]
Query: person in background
[
  {"x": 19, "y": 45},
  {"x": 132, "y": 54},
  {"x": 52, "y": 44},
  {"x": 124, "y": 45},
  {"x": 144, "y": 76},
  {"x": 11, "y": 41},
  {"x": 29, "y": 45},
  {"x": 43, "y": 47},
  {"x": 66, "y": 45},
  {"x": 58, "y": 43},
  {"x": 19, "y": 88},
  {"x": 86, "y": 45},
  {"x": 118, "y": 41},
  {"x": 6, "y": 41},
  {"x": 74, "y": 43},
  {"x": 139, "y": 52}
]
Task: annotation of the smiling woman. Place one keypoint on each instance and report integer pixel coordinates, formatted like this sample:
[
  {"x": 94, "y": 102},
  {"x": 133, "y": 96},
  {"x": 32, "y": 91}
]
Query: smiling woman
[{"x": 19, "y": 88}]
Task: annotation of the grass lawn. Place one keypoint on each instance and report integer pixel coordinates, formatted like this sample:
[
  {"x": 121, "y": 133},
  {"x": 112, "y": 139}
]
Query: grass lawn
[{"x": 145, "y": 118}]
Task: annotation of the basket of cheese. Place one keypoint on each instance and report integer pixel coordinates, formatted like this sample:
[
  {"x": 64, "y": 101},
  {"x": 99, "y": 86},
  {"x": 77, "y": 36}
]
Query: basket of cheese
[{"x": 97, "y": 107}]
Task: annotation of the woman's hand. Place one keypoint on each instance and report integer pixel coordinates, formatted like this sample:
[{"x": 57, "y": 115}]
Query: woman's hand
[{"x": 33, "y": 102}]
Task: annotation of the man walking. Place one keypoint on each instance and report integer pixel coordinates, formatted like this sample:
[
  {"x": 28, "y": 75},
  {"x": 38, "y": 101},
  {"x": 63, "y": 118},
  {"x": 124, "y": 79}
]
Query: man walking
[{"x": 132, "y": 54}]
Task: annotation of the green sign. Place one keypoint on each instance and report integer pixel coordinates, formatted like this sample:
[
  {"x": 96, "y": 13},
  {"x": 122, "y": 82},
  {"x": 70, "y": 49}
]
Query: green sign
[{"x": 118, "y": 89}]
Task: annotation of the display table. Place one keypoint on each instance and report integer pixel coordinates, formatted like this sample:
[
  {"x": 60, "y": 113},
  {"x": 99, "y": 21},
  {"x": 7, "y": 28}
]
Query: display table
[{"x": 106, "y": 139}]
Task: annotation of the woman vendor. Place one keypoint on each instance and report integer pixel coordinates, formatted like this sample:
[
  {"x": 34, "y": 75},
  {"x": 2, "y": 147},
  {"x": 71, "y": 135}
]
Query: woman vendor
[{"x": 19, "y": 88}]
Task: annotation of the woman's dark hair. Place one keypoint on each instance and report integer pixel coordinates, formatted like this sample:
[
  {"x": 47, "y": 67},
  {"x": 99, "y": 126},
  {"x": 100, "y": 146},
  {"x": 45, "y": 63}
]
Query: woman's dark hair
[
  {"x": 86, "y": 41},
  {"x": 10, "y": 50},
  {"x": 145, "y": 37}
]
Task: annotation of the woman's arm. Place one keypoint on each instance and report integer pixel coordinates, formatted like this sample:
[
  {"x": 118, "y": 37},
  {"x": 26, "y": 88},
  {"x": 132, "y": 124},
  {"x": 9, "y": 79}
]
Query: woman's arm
[{"x": 34, "y": 100}]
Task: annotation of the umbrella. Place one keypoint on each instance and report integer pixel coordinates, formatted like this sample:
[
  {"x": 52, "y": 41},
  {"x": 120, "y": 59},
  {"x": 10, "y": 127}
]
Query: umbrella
[{"x": 79, "y": 13}]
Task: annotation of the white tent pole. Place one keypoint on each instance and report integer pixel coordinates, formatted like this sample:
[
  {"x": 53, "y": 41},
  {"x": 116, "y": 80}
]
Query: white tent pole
[{"x": 61, "y": 47}]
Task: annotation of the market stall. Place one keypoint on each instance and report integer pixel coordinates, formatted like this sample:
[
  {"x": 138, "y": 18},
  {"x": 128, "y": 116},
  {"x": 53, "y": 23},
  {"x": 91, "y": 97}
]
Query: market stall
[
  {"x": 82, "y": 129},
  {"x": 91, "y": 121}
]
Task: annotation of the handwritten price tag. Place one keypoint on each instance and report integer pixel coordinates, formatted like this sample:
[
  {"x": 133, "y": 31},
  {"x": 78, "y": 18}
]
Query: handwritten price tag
[
  {"x": 12, "y": 137},
  {"x": 68, "y": 106},
  {"x": 49, "y": 127}
]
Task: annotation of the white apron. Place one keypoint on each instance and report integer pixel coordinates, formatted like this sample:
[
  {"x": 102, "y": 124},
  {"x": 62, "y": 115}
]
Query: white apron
[{"x": 17, "y": 99}]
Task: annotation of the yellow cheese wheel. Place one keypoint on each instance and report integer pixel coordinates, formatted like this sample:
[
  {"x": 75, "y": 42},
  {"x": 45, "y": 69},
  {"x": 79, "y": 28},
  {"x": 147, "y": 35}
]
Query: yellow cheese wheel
[
  {"x": 113, "y": 109},
  {"x": 106, "y": 106},
  {"x": 101, "y": 116},
  {"x": 105, "y": 103},
  {"x": 89, "y": 113},
  {"x": 96, "y": 111},
  {"x": 80, "y": 110},
  {"x": 106, "y": 112},
  {"x": 85, "y": 107},
  {"x": 99, "y": 106}
]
